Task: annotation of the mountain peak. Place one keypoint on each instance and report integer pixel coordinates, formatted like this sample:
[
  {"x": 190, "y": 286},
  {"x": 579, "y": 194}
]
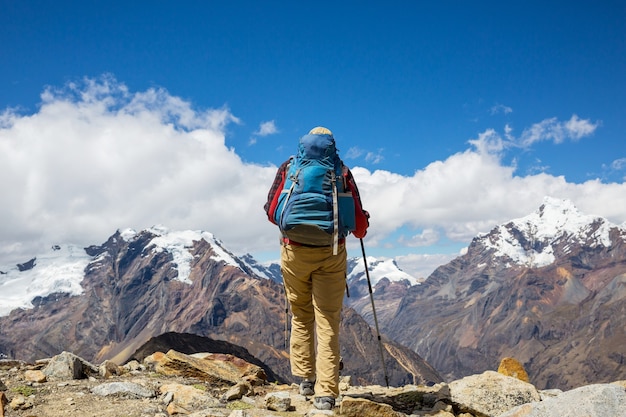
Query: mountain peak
[
  {"x": 378, "y": 269},
  {"x": 531, "y": 240},
  {"x": 61, "y": 268}
]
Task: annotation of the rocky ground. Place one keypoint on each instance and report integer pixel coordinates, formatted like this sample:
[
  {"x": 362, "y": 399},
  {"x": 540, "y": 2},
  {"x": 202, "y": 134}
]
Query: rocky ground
[{"x": 212, "y": 385}]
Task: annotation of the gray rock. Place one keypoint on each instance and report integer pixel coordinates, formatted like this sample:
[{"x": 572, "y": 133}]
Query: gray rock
[
  {"x": 236, "y": 392},
  {"x": 67, "y": 366},
  {"x": 123, "y": 388},
  {"x": 550, "y": 393},
  {"x": 598, "y": 400},
  {"x": 490, "y": 393},
  {"x": 278, "y": 401},
  {"x": 239, "y": 413}
]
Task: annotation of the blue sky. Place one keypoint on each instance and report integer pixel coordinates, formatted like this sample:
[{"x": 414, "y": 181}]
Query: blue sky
[{"x": 454, "y": 115}]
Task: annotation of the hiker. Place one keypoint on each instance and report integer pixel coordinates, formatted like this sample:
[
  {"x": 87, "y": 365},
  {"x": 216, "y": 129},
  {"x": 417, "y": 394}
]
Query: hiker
[{"x": 316, "y": 204}]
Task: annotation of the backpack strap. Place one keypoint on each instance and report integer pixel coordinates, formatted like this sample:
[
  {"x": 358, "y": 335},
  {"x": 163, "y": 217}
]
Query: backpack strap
[
  {"x": 335, "y": 215},
  {"x": 275, "y": 190},
  {"x": 293, "y": 185}
]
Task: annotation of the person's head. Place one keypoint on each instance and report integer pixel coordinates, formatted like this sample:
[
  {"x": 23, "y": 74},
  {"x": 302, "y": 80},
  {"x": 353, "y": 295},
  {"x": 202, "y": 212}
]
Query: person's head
[{"x": 320, "y": 130}]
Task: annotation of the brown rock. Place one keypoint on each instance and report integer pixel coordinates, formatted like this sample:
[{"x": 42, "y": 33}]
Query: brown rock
[
  {"x": 10, "y": 363},
  {"x": 109, "y": 369},
  {"x": 188, "y": 397},
  {"x": 173, "y": 409},
  {"x": 19, "y": 402},
  {"x": 237, "y": 391},
  {"x": 3, "y": 402},
  {"x": 359, "y": 407},
  {"x": 441, "y": 413},
  {"x": 35, "y": 376},
  {"x": 151, "y": 361},
  {"x": 511, "y": 367},
  {"x": 218, "y": 369}
]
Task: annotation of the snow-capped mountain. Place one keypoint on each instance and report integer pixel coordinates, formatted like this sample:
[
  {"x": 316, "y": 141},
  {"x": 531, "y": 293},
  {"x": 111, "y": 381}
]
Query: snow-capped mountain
[
  {"x": 106, "y": 301},
  {"x": 548, "y": 289},
  {"x": 378, "y": 269},
  {"x": 61, "y": 268},
  {"x": 533, "y": 240}
]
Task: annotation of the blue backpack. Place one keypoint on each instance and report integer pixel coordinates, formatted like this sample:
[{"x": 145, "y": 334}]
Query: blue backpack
[{"x": 315, "y": 206}]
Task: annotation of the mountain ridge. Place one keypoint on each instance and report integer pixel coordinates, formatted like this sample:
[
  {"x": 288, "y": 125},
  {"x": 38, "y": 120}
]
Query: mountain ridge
[
  {"x": 558, "y": 300},
  {"x": 546, "y": 288},
  {"x": 134, "y": 289}
]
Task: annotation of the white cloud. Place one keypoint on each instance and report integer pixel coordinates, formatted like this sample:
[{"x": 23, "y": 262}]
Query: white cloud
[
  {"x": 619, "y": 164},
  {"x": 489, "y": 142},
  {"x": 427, "y": 237},
  {"x": 267, "y": 128},
  {"x": 471, "y": 192},
  {"x": 556, "y": 131},
  {"x": 354, "y": 153},
  {"x": 95, "y": 158},
  {"x": 421, "y": 266},
  {"x": 374, "y": 157},
  {"x": 370, "y": 157}
]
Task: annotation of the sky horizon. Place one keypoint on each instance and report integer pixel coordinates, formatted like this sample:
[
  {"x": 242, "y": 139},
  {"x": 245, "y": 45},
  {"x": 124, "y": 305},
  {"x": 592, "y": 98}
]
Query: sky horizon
[{"x": 453, "y": 117}]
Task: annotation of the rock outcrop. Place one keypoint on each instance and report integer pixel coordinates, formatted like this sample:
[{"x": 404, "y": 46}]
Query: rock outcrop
[{"x": 217, "y": 385}]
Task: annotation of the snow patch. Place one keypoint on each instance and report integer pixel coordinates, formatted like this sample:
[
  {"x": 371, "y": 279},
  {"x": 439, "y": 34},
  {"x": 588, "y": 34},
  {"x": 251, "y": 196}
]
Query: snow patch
[
  {"x": 379, "y": 269},
  {"x": 62, "y": 268},
  {"x": 178, "y": 244},
  {"x": 59, "y": 270}
]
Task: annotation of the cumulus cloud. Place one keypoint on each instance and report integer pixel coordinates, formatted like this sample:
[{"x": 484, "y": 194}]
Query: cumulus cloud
[
  {"x": 96, "y": 157},
  {"x": 469, "y": 193},
  {"x": 490, "y": 141},
  {"x": 426, "y": 237},
  {"x": 422, "y": 265},
  {"x": 265, "y": 129}
]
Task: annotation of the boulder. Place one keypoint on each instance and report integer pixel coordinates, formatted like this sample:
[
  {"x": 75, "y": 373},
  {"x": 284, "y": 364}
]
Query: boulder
[
  {"x": 66, "y": 366},
  {"x": 217, "y": 369},
  {"x": 512, "y": 367},
  {"x": 490, "y": 394},
  {"x": 361, "y": 407},
  {"x": 597, "y": 400}
]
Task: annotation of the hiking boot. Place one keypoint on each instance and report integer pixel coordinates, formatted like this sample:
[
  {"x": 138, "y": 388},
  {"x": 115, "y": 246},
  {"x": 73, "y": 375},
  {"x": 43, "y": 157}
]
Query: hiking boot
[
  {"x": 307, "y": 387},
  {"x": 324, "y": 403}
]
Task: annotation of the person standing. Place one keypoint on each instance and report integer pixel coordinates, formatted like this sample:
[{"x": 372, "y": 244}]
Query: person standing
[{"x": 315, "y": 209}]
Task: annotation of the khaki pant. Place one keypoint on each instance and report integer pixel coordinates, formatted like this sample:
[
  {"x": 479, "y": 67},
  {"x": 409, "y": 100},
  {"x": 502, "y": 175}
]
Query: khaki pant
[{"x": 315, "y": 281}]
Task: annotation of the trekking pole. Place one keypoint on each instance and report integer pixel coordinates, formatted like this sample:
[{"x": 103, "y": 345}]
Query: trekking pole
[
  {"x": 380, "y": 343},
  {"x": 286, "y": 319}
]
